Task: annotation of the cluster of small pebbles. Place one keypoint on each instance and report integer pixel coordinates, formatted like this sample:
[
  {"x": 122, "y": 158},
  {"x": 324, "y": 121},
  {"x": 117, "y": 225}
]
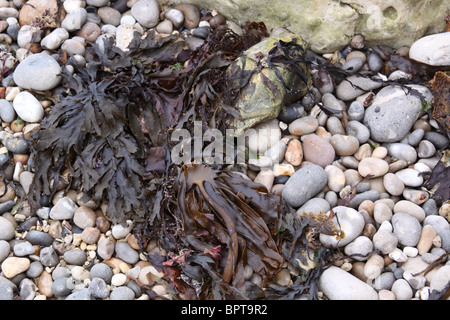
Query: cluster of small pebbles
[
  {"x": 71, "y": 251},
  {"x": 368, "y": 168}
]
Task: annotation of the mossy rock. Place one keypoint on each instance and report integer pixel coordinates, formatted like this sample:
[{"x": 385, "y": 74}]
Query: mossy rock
[{"x": 265, "y": 95}]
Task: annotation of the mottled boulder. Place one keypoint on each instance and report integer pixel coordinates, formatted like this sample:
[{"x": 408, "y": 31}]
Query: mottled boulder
[{"x": 265, "y": 95}]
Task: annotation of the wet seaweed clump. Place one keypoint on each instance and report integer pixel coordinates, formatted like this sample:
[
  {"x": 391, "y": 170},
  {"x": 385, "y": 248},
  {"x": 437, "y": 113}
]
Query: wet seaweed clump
[{"x": 107, "y": 136}]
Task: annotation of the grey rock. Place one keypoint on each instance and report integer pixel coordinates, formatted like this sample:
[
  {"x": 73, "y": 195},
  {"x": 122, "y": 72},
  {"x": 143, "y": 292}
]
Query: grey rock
[
  {"x": 38, "y": 72},
  {"x": 315, "y": 205},
  {"x": 7, "y": 291},
  {"x": 442, "y": 228},
  {"x": 393, "y": 112},
  {"x": 62, "y": 287},
  {"x": 82, "y": 294},
  {"x": 371, "y": 195},
  {"x": 374, "y": 62},
  {"x": 7, "y": 113},
  {"x": 360, "y": 248},
  {"x": 353, "y": 65},
  {"x": 39, "y": 238},
  {"x": 97, "y": 3},
  {"x": 432, "y": 49},
  {"x": 337, "y": 284},
  {"x": 146, "y": 12},
  {"x": 291, "y": 112},
  {"x": 101, "y": 270},
  {"x": 6, "y": 206},
  {"x": 440, "y": 141},
  {"x": 175, "y": 16},
  {"x": 60, "y": 272},
  {"x": 54, "y": 40},
  {"x": 384, "y": 281},
  {"x": 7, "y": 229},
  {"x": 406, "y": 228},
  {"x": 64, "y": 209},
  {"x": 27, "y": 289},
  {"x": 75, "y": 257},
  {"x": 17, "y": 145},
  {"x": 415, "y": 137},
  {"x": 357, "y": 129},
  {"x": 401, "y": 151},
  {"x": 98, "y": 288},
  {"x": 385, "y": 241},
  {"x": 410, "y": 177},
  {"x": 75, "y": 20},
  {"x": 354, "y": 86},
  {"x": 125, "y": 252},
  {"x": 49, "y": 257},
  {"x": 426, "y": 149},
  {"x": 23, "y": 249},
  {"x": 34, "y": 270},
  {"x": 304, "y": 184},
  {"x": 356, "y": 111},
  {"x": 402, "y": 290},
  {"x": 430, "y": 207},
  {"x": 122, "y": 293},
  {"x": 5, "y": 249}
]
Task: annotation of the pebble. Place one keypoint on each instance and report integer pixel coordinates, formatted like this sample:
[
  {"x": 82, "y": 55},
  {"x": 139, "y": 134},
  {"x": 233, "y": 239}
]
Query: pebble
[
  {"x": 393, "y": 112},
  {"x": 349, "y": 221},
  {"x": 63, "y": 286},
  {"x": 385, "y": 241},
  {"x": 126, "y": 253},
  {"x": 432, "y": 49},
  {"x": 344, "y": 145},
  {"x": 23, "y": 249},
  {"x": 7, "y": 229},
  {"x": 410, "y": 177},
  {"x": 426, "y": 239},
  {"x": 410, "y": 208},
  {"x": 360, "y": 248},
  {"x": 64, "y": 209},
  {"x": 294, "y": 152},
  {"x": 373, "y": 167},
  {"x": 75, "y": 257},
  {"x": 393, "y": 184},
  {"x": 38, "y": 72},
  {"x": 27, "y": 107},
  {"x": 318, "y": 150},
  {"x": 98, "y": 288},
  {"x": 402, "y": 151},
  {"x": 12, "y": 266},
  {"x": 406, "y": 228},
  {"x": 7, "y": 112},
  {"x": 354, "y": 86},
  {"x": 39, "y": 238},
  {"x": 304, "y": 184},
  {"x": 122, "y": 293},
  {"x": 5, "y": 248},
  {"x": 304, "y": 125},
  {"x": 146, "y": 12},
  {"x": 54, "y": 40},
  {"x": 74, "y": 20},
  {"x": 191, "y": 15},
  {"x": 48, "y": 257},
  {"x": 402, "y": 290},
  {"x": 315, "y": 205},
  {"x": 103, "y": 271},
  {"x": 84, "y": 217},
  {"x": 175, "y": 16},
  {"x": 263, "y": 136},
  {"x": 338, "y": 284}
]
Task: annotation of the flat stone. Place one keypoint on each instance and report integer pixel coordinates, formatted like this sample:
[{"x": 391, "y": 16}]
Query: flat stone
[
  {"x": 7, "y": 229},
  {"x": 354, "y": 86},
  {"x": 304, "y": 125},
  {"x": 64, "y": 209},
  {"x": 337, "y": 284},
  {"x": 13, "y": 266},
  {"x": 38, "y": 72},
  {"x": 349, "y": 221},
  {"x": 393, "y": 112},
  {"x": 406, "y": 228},
  {"x": 27, "y": 107},
  {"x": 372, "y": 167},
  {"x": 432, "y": 50},
  {"x": 410, "y": 208},
  {"x": 304, "y": 184}
]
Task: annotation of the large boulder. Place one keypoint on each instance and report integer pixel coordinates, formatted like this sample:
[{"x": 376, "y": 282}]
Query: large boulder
[
  {"x": 265, "y": 95},
  {"x": 329, "y": 25}
]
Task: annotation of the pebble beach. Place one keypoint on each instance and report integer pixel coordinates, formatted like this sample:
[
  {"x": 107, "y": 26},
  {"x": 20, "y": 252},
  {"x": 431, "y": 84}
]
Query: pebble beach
[{"x": 379, "y": 152}]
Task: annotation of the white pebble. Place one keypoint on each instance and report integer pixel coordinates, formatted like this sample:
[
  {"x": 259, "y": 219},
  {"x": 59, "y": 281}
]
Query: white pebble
[{"x": 118, "y": 279}]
